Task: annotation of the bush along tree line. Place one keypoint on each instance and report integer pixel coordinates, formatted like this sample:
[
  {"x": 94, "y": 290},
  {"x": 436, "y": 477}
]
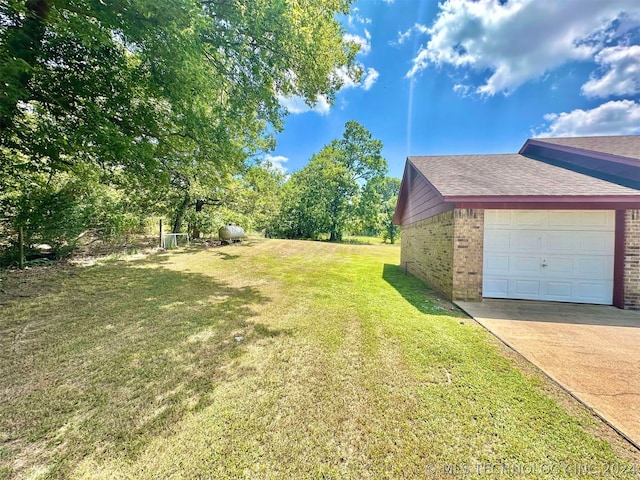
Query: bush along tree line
[{"x": 114, "y": 112}]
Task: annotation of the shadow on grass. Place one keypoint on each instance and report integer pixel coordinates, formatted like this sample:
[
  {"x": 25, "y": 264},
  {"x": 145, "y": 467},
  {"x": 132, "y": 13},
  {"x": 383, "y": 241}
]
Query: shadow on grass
[
  {"x": 417, "y": 293},
  {"x": 226, "y": 256},
  {"x": 107, "y": 357}
]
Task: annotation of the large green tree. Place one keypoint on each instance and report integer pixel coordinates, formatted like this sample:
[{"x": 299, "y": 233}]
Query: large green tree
[
  {"x": 357, "y": 159},
  {"x": 324, "y": 195},
  {"x": 163, "y": 98}
]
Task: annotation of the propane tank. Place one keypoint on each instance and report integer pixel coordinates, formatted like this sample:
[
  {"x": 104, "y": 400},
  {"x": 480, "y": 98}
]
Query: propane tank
[{"x": 231, "y": 233}]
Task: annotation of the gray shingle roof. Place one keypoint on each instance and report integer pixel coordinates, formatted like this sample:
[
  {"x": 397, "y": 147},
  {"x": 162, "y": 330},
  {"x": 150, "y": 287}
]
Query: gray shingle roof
[
  {"x": 511, "y": 175},
  {"x": 624, "y": 145}
]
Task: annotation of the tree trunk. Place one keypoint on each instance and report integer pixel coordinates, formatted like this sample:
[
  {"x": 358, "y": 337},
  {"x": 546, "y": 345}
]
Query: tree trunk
[
  {"x": 177, "y": 224},
  {"x": 195, "y": 231}
]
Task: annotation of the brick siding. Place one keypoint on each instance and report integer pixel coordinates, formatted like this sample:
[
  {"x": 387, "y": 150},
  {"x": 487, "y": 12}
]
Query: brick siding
[
  {"x": 446, "y": 252},
  {"x": 427, "y": 251},
  {"x": 467, "y": 254},
  {"x": 632, "y": 260}
]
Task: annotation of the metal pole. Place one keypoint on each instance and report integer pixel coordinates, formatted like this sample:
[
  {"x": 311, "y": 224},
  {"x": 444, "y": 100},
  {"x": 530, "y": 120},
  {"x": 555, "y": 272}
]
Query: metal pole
[
  {"x": 160, "y": 233},
  {"x": 21, "y": 248}
]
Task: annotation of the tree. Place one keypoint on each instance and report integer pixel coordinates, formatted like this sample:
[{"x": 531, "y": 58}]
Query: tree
[
  {"x": 325, "y": 193},
  {"x": 164, "y": 98},
  {"x": 260, "y": 198},
  {"x": 251, "y": 199},
  {"x": 358, "y": 160},
  {"x": 377, "y": 207}
]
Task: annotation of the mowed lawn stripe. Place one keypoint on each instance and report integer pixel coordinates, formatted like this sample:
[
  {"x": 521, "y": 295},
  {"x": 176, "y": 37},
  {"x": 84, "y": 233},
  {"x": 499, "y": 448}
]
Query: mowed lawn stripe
[{"x": 271, "y": 359}]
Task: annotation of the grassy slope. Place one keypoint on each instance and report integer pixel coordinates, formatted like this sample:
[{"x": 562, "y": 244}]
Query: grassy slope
[{"x": 276, "y": 359}]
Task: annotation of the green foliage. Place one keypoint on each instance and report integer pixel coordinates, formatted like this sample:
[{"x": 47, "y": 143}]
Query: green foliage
[
  {"x": 161, "y": 100},
  {"x": 377, "y": 206},
  {"x": 205, "y": 221},
  {"x": 59, "y": 209},
  {"x": 253, "y": 199},
  {"x": 53, "y": 215},
  {"x": 120, "y": 226},
  {"x": 324, "y": 196},
  {"x": 261, "y": 196}
]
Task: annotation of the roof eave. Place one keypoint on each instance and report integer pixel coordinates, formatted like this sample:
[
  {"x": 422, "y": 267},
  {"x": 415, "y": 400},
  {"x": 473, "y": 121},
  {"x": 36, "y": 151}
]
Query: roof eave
[
  {"x": 559, "y": 202},
  {"x": 610, "y": 157}
]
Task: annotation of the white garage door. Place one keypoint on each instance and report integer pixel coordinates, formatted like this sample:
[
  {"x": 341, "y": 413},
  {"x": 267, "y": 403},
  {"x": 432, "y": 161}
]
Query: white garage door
[{"x": 556, "y": 255}]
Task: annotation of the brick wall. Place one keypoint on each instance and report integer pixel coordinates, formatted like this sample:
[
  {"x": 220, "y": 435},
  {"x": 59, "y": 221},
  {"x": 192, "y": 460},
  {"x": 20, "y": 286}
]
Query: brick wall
[
  {"x": 428, "y": 247},
  {"x": 632, "y": 260},
  {"x": 467, "y": 254},
  {"x": 446, "y": 252}
]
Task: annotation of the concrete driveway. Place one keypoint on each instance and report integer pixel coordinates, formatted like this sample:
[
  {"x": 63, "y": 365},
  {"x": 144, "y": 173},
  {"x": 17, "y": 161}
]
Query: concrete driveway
[{"x": 593, "y": 351}]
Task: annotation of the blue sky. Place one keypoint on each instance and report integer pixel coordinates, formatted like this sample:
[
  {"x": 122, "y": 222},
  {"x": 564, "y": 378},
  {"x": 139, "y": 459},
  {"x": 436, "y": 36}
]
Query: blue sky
[{"x": 465, "y": 76}]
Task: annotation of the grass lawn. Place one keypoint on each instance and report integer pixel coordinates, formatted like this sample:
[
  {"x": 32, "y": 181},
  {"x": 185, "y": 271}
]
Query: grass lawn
[{"x": 272, "y": 359}]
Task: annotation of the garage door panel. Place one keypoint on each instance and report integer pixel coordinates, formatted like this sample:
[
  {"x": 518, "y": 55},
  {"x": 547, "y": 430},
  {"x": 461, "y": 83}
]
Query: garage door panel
[
  {"x": 498, "y": 217},
  {"x": 600, "y": 243},
  {"x": 529, "y": 218},
  {"x": 602, "y": 219},
  {"x": 561, "y": 241},
  {"x": 563, "y": 219},
  {"x": 525, "y": 265},
  {"x": 559, "y": 291},
  {"x": 595, "y": 267},
  {"x": 526, "y": 240},
  {"x": 497, "y": 264},
  {"x": 530, "y": 288},
  {"x": 592, "y": 292},
  {"x": 549, "y": 255},
  {"x": 560, "y": 266},
  {"x": 498, "y": 240},
  {"x": 496, "y": 287}
]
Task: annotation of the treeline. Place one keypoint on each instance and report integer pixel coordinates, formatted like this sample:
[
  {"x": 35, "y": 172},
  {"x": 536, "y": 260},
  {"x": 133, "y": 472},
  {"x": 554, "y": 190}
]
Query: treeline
[
  {"x": 111, "y": 112},
  {"x": 343, "y": 189}
]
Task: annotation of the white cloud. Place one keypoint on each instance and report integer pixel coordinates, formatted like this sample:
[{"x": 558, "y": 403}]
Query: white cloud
[
  {"x": 622, "y": 76},
  {"x": 461, "y": 89},
  {"x": 356, "y": 18},
  {"x": 370, "y": 78},
  {"x": 276, "y": 162},
  {"x": 296, "y": 104},
  {"x": 365, "y": 44},
  {"x": 620, "y": 117},
  {"x": 343, "y": 74},
  {"x": 404, "y": 36},
  {"x": 520, "y": 40}
]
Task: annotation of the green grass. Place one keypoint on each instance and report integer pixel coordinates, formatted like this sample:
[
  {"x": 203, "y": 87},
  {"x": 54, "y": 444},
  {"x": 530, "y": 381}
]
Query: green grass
[
  {"x": 270, "y": 359},
  {"x": 355, "y": 239}
]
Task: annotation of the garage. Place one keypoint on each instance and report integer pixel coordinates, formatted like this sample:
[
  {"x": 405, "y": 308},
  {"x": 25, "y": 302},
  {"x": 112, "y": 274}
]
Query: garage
[
  {"x": 554, "y": 255},
  {"x": 559, "y": 224}
]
